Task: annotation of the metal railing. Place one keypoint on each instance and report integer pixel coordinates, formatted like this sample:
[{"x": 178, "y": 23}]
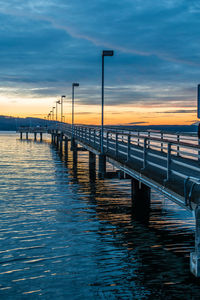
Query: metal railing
[
  {"x": 169, "y": 159},
  {"x": 172, "y": 153}
]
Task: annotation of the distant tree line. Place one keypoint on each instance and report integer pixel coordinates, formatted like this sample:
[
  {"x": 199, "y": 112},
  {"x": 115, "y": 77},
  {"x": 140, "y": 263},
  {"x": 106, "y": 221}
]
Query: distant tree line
[{"x": 11, "y": 123}]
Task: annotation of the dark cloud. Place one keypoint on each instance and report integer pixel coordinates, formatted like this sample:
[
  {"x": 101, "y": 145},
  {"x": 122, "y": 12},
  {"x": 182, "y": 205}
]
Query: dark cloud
[
  {"x": 137, "y": 123},
  {"x": 179, "y": 111},
  {"x": 46, "y": 45}
]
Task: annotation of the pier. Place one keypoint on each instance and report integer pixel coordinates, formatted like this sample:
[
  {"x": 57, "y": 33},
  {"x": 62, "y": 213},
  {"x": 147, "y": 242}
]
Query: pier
[{"x": 166, "y": 162}]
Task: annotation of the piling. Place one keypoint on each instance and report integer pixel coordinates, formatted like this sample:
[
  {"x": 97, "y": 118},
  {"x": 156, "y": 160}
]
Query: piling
[
  {"x": 102, "y": 166},
  {"x": 92, "y": 165},
  {"x": 141, "y": 196},
  {"x": 61, "y": 142},
  {"x": 66, "y": 147},
  {"x": 75, "y": 154}
]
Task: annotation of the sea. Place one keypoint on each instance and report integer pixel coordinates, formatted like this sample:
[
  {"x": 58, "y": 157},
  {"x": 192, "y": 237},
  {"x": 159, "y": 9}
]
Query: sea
[{"x": 66, "y": 235}]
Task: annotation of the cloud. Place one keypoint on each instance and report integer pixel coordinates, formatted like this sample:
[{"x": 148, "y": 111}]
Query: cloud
[
  {"x": 46, "y": 45},
  {"x": 137, "y": 123},
  {"x": 179, "y": 111}
]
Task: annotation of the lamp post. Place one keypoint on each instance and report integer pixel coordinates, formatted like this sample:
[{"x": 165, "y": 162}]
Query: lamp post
[
  {"x": 61, "y": 102},
  {"x": 73, "y": 85},
  {"x": 57, "y": 102},
  {"x": 104, "y": 53},
  {"x": 53, "y": 113}
]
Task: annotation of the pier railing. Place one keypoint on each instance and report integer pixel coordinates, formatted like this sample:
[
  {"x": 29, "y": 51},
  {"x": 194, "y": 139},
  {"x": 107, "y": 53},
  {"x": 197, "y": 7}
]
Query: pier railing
[{"x": 170, "y": 157}]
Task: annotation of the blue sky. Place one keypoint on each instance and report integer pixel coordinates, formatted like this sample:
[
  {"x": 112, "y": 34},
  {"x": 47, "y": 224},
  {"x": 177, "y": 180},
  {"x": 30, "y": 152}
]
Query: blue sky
[{"x": 46, "y": 45}]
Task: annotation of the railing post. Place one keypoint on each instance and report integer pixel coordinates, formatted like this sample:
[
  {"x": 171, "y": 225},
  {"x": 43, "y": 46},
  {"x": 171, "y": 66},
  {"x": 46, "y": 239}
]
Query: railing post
[
  {"x": 178, "y": 148},
  {"x": 138, "y": 140},
  {"x": 94, "y": 137},
  {"x": 149, "y": 136},
  {"x": 162, "y": 142},
  {"x": 100, "y": 140},
  {"x": 89, "y": 136},
  {"x": 168, "y": 161},
  {"x": 107, "y": 140},
  {"x": 78, "y": 132},
  {"x": 116, "y": 144},
  {"x": 81, "y": 132},
  {"x": 128, "y": 147},
  {"x": 145, "y": 153}
]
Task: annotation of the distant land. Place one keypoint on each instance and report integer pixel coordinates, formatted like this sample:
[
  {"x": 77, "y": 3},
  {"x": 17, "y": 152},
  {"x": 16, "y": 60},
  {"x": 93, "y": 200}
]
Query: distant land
[{"x": 11, "y": 124}]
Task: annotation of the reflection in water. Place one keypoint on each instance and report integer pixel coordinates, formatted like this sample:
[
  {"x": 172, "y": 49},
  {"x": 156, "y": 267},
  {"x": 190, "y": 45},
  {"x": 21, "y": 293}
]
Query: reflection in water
[{"x": 65, "y": 233}]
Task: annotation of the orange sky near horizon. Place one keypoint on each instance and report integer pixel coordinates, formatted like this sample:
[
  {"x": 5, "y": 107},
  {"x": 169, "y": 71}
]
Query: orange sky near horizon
[{"x": 91, "y": 114}]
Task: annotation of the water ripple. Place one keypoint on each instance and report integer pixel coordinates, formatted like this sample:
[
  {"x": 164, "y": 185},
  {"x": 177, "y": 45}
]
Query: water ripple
[{"x": 68, "y": 237}]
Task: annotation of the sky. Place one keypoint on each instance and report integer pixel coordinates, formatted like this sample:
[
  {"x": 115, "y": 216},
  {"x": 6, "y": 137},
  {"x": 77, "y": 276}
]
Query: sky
[{"x": 151, "y": 79}]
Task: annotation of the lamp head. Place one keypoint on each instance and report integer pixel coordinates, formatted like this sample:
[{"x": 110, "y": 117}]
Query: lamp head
[
  {"x": 75, "y": 84},
  {"x": 107, "y": 53}
]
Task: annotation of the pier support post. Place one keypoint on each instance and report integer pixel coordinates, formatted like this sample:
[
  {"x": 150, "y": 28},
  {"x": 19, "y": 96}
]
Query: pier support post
[
  {"x": 27, "y": 135},
  {"x": 61, "y": 141},
  {"x": 66, "y": 147},
  {"x": 141, "y": 197},
  {"x": 40, "y": 136},
  {"x": 75, "y": 155},
  {"x": 92, "y": 165},
  {"x": 21, "y": 135},
  {"x": 102, "y": 166},
  {"x": 55, "y": 139},
  {"x": 35, "y": 136},
  {"x": 52, "y": 138},
  {"x": 195, "y": 256},
  {"x": 73, "y": 144}
]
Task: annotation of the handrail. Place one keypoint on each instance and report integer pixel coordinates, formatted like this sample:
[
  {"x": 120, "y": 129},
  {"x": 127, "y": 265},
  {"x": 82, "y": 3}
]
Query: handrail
[
  {"x": 163, "y": 140},
  {"x": 173, "y": 161}
]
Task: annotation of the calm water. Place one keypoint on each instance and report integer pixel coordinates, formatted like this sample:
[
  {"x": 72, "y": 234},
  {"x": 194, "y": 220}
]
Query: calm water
[{"x": 65, "y": 236}]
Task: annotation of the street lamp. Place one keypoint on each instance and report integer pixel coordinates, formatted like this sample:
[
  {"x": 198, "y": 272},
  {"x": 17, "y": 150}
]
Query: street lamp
[
  {"x": 57, "y": 102},
  {"x": 61, "y": 102},
  {"x": 73, "y": 85},
  {"x": 104, "y": 53},
  {"x": 53, "y": 113}
]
